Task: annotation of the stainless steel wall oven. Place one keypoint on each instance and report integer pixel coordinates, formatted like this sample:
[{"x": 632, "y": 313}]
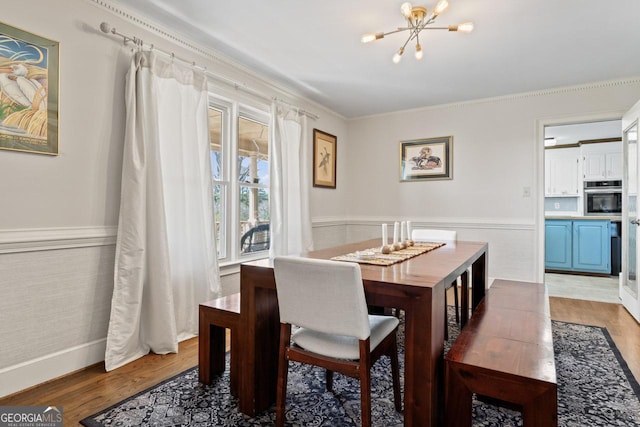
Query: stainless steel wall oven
[{"x": 603, "y": 198}]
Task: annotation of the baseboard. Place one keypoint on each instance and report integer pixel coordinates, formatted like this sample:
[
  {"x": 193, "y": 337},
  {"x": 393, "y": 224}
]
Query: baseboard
[{"x": 37, "y": 371}]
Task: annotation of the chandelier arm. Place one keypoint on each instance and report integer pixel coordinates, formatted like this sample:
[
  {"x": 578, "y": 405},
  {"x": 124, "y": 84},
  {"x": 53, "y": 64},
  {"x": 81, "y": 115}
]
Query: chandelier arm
[
  {"x": 414, "y": 34},
  {"x": 406, "y": 43},
  {"x": 399, "y": 30}
]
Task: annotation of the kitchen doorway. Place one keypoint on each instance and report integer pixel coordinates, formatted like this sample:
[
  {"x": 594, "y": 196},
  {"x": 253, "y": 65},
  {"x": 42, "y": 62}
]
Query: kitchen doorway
[{"x": 582, "y": 209}]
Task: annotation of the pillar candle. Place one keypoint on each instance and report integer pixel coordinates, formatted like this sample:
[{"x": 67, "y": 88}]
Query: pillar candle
[
  {"x": 385, "y": 238},
  {"x": 408, "y": 230},
  {"x": 395, "y": 231},
  {"x": 402, "y": 230}
]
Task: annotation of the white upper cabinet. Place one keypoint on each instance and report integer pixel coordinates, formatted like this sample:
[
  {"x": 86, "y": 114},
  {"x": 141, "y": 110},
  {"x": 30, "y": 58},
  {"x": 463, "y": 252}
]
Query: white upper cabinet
[
  {"x": 602, "y": 161},
  {"x": 561, "y": 171}
]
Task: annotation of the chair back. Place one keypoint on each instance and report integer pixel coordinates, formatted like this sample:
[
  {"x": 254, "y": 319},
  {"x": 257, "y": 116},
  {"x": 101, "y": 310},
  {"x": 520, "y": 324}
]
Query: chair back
[
  {"x": 322, "y": 295},
  {"x": 256, "y": 239},
  {"x": 430, "y": 235}
]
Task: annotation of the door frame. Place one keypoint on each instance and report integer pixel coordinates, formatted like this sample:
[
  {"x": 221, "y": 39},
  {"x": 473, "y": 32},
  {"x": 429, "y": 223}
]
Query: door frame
[
  {"x": 630, "y": 303},
  {"x": 539, "y": 178}
]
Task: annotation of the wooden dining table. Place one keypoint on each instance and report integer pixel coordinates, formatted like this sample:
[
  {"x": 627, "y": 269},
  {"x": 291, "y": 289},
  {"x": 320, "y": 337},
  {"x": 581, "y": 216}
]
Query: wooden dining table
[{"x": 416, "y": 286}]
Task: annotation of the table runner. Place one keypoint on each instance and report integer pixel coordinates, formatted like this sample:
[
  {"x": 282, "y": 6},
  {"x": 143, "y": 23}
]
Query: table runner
[{"x": 394, "y": 257}]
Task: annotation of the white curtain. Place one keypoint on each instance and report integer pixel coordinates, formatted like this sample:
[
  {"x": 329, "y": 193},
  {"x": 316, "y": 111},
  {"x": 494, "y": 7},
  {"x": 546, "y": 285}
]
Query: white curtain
[
  {"x": 290, "y": 182},
  {"x": 166, "y": 262}
]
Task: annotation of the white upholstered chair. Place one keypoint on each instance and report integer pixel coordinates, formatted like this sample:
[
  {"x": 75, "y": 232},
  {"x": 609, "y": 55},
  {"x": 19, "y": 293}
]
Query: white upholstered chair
[
  {"x": 326, "y": 300},
  {"x": 430, "y": 235}
]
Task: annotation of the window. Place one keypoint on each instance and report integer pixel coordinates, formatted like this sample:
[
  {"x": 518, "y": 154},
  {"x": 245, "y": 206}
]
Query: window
[{"x": 240, "y": 171}]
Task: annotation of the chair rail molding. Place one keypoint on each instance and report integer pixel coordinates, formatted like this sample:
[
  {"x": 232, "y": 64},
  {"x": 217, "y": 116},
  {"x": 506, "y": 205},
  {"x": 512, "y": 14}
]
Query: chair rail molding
[
  {"x": 42, "y": 239},
  {"x": 458, "y": 223}
]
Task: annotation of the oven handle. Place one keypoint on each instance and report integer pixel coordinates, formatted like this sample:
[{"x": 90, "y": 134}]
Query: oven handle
[{"x": 603, "y": 190}]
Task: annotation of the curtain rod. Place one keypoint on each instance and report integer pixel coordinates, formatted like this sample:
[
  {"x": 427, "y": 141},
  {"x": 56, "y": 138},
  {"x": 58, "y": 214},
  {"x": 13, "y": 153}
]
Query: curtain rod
[{"x": 108, "y": 29}]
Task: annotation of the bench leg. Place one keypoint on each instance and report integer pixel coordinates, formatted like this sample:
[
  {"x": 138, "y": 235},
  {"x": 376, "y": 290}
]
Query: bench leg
[
  {"x": 211, "y": 352},
  {"x": 542, "y": 411},
  {"x": 234, "y": 363},
  {"x": 458, "y": 400}
]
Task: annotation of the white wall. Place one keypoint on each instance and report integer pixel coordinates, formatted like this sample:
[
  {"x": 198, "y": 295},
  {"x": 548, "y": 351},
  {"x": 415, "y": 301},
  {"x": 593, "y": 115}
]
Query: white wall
[
  {"x": 497, "y": 155},
  {"x": 58, "y": 214}
]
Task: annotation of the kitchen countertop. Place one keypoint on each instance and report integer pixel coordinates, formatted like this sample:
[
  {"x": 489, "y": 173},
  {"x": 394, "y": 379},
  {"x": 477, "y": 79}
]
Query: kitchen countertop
[{"x": 611, "y": 218}]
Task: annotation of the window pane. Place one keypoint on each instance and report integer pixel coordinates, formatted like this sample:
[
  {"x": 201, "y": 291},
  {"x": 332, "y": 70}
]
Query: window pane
[
  {"x": 215, "y": 133},
  {"x": 220, "y": 214},
  {"x": 253, "y": 152},
  {"x": 254, "y": 219}
]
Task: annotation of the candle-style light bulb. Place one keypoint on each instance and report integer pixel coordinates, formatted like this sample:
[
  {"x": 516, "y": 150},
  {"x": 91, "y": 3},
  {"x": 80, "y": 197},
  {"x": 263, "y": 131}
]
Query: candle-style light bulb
[
  {"x": 371, "y": 37},
  {"x": 406, "y": 9},
  {"x": 466, "y": 27},
  {"x": 398, "y": 56},
  {"x": 419, "y": 54},
  {"x": 440, "y": 7}
]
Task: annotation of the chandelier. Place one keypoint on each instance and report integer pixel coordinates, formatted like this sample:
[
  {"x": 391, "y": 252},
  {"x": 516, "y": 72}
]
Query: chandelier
[{"x": 418, "y": 20}]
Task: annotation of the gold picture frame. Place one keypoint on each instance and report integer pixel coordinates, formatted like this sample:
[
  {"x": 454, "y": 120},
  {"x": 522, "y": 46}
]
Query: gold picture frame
[
  {"x": 324, "y": 159},
  {"x": 426, "y": 159},
  {"x": 29, "y": 76}
]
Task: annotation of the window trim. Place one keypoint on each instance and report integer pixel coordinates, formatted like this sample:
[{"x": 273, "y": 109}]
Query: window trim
[{"x": 232, "y": 111}]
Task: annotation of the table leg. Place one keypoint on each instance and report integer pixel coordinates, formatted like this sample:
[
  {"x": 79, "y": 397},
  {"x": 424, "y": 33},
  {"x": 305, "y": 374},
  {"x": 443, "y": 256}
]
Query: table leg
[
  {"x": 260, "y": 323},
  {"x": 480, "y": 280},
  {"x": 464, "y": 298},
  {"x": 424, "y": 363}
]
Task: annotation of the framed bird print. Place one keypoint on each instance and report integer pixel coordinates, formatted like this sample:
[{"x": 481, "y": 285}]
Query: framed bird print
[
  {"x": 324, "y": 159},
  {"x": 426, "y": 159},
  {"x": 29, "y": 75}
]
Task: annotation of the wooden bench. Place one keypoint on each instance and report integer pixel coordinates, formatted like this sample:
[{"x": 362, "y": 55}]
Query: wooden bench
[
  {"x": 505, "y": 353},
  {"x": 215, "y": 317}
]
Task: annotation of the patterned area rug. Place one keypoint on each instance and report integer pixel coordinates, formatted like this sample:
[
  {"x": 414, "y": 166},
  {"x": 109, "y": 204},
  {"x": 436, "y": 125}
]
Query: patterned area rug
[{"x": 595, "y": 388}]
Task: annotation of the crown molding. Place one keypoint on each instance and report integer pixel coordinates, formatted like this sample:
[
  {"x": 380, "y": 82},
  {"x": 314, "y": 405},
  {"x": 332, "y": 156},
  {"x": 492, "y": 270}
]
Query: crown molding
[
  {"x": 147, "y": 24},
  {"x": 512, "y": 97}
]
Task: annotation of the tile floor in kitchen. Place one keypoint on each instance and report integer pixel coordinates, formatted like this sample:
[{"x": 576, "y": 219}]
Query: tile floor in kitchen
[{"x": 592, "y": 288}]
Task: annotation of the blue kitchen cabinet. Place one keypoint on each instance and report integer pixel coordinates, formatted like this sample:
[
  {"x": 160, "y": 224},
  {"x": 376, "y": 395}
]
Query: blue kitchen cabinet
[
  {"x": 578, "y": 245},
  {"x": 592, "y": 246},
  {"x": 557, "y": 245}
]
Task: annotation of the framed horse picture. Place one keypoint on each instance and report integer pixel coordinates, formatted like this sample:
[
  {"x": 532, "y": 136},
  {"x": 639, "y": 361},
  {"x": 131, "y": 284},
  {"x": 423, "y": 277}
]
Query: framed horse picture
[{"x": 426, "y": 159}]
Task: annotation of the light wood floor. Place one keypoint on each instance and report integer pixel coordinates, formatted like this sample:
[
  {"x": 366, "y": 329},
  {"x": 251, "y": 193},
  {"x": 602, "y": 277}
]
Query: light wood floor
[{"x": 91, "y": 390}]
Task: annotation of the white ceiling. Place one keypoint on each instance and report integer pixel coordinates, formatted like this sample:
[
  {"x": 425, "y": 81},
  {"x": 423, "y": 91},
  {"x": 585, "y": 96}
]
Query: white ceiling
[{"x": 314, "y": 46}]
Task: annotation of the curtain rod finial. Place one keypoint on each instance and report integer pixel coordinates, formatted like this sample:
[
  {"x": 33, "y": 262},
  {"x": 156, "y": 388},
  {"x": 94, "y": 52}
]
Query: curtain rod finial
[{"x": 105, "y": 27}]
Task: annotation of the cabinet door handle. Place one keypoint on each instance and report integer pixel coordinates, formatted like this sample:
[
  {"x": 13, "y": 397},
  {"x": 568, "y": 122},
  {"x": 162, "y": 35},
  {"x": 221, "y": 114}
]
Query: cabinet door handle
[{"x": 635, "y": 221}]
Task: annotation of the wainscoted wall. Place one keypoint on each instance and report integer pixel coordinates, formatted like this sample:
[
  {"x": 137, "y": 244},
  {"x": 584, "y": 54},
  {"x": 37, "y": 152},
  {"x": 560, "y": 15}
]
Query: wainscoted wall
[
  {"x": 56, "y": 290},
  {"x": 56, "y": 302}
]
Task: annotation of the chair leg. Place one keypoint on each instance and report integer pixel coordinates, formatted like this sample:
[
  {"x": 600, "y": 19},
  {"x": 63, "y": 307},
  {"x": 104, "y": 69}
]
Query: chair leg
[
  {"x": 365, "y": 382},
  {"x": 455, "y": 301},
  {"x": 329, "y": 380},
  {"x": 446, "y": 317},
  {"x": 395, "y": 374},
  {"x": 283, "y": 371}
]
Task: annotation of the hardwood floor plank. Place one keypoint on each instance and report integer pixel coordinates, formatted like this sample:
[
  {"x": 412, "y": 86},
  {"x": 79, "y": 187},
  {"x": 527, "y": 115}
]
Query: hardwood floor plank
[{"x": 92, "y": 389}]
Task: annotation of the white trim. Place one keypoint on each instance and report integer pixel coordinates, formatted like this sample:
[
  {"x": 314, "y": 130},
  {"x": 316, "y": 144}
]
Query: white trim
[
  {"x": 37, "y": 371},
  {"x": 464, "y": 223},
  {"x": 328, "y": 221},
  {"x": 209, "y": 53},
  {"x": 510, "y": 97},
  {"x": 41, "y": 239}
]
